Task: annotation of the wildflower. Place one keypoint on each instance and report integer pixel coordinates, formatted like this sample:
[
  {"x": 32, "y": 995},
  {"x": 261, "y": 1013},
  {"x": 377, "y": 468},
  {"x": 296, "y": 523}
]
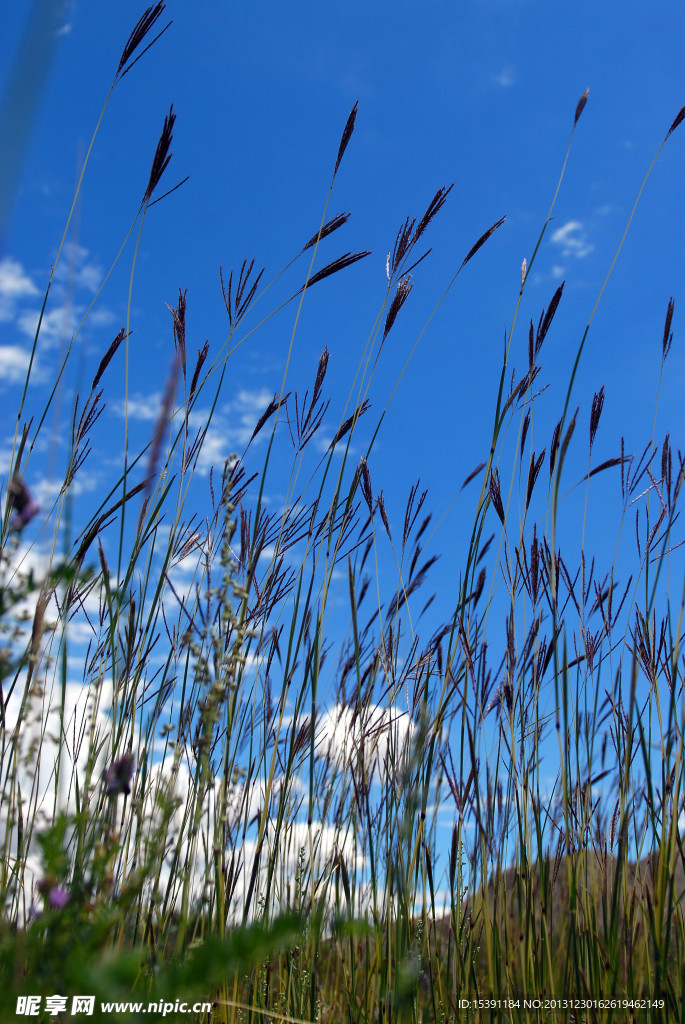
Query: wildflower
[
  {"x": 118, "y": 776},
  {"x": 22, "y": 502},
  {"x": 58, "y": 898}
]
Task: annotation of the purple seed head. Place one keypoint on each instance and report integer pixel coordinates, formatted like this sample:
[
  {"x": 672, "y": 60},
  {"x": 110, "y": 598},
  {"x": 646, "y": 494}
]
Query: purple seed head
[
  {"x": 21, "y": 500},
  {"x": 118, "y": 776}
]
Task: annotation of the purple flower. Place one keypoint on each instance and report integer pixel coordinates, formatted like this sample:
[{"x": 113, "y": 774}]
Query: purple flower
[
  {"x": 118, "y": 776},
  {"x": 34, "y": 912},
  {"x": 25, "y": 508},
  {"x": 58, "y": 898}
]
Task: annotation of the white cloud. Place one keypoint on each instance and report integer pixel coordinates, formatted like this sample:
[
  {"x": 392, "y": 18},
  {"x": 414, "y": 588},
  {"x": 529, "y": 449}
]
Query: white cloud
[
  {"x": 252, "y": 401},
  {"x": 44, "y": 743},
  {"x": 56, "y": 324},
  {"x": 139, "y": 406},
  {"x": 14, "y": 281},
  {"x": 381, "y": 736},
  {"x": 61, "y": 318},
  {"x": 216, "y": 448},
  {"x": 231, "y": 430},
  {"x": 15, "y": 284},
  {"x": 65, "y": 728},
  {"x": 100, "y": 317},
  {"x": 14, "y": 363},
  {"x": 77, "y": 269},
  {"x": 46, "y": 491},
  {"x": 572, "y": 240},
  {"x": 506, "y": 78}
]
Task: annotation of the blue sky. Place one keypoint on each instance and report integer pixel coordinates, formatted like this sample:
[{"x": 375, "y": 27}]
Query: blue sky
[{"x": 480, "y": 93}]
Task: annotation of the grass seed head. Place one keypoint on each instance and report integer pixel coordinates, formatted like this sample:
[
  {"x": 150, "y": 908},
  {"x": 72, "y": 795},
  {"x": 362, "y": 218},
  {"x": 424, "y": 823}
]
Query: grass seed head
[
  {"x": 581, "y": 106},
  {"x": 346, "y": 135}
]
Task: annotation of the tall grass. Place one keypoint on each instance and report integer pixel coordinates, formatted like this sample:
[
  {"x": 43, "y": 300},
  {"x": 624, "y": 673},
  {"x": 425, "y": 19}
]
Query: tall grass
[{"x": 231, "y": 793}]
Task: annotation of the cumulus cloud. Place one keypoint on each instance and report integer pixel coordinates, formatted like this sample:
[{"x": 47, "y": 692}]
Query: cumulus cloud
[
  {"x": 78, "y": 269},
  {"x": 380, "y": 736},
  {"x": 139, "y": 406},
  {"x": 77, "y": 272},
  {"x": 571, "y": 238},
  {"x": 43, "y": 744},
  {"x": 14, "y": 363},
  {"x": 65, "y": 745},
  {"x": 14, "y": 284},
  {"x": 229, "y": 432},
  {"x": 56, "y": 324},
  {"x": 73, "y": 729}
]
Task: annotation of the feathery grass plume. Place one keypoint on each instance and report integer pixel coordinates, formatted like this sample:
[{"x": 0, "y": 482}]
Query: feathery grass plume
[
  {"x": 380, "y": 505},
  {"x": 187, "y": 544},
  {"x": 21, "y": 500},
  {"x": 524, "y": 271},
  {"x": 568, "y": 436},
  {"x": 22, "y": 445},
  {"x": 104, "y": 520},
  {"x": 179, "y": 318},
  {"x": 478, "y": 589},
  {"x": 596, "y": 413},
  {"x": 202, "y": 354},
  {"x": 404, "y": 286},
  {"x": 533, "y": 470},
  {"x": 546, "y": 318},
  {"x": 482, "y": 240},
  {"x": 237, "y": 306},
  {"x": 162, "y": 155},
  {"x": 271, "y": 408},
  {"x": 400, "y": 248},
  {"x": 329, "y": 227},
  {"x": 118, "y": 775},
  {"x": 412, "y": 512},
  {"x": 308, "y": 419},
  {"x": 350, "y": 422},
  {"x": 496, "y": 494},
  {"x": 90, "y": 415},
  {"x": 474, "y": 473},
  {"x": 519, "y": 389},
  {"x": 581, "y": 106},
  {"x": 320, "y": 375},
  {"x": 434, "y": 207},
  {"x": 332, "y": 268},
  {"x": 454, "y": 859},
  {"x": 163, "y": 420},
  {"x": 141, "y": 29},
  {"x": 365, "y": 482},
  {"x": 345, "y": 879},
  {"x": 534, "y": 576},
  {"x": 408, "y": 236},
  {"x": 616, "y": 461},
  {"x": 553, "y": 447},
  {"x": 668, "y": 334},
  {"x": 346, "y": 136},
  {"x": 679, "y": 118},
  {"x": 666, "y": 465},
  {"x": 108, "y": 357},
  {"x": 524, "y": 434}
]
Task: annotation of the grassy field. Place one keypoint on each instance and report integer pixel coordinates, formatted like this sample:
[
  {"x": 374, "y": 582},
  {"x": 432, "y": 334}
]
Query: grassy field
[{"x": 249, "y": 819}]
